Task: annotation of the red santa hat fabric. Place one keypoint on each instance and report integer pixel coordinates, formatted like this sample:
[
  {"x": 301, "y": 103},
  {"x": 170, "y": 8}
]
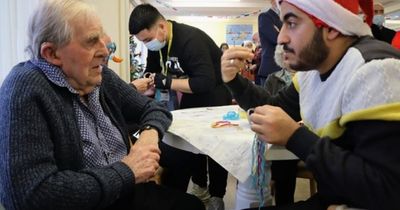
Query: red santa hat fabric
[{"x": 339, "y": 14}]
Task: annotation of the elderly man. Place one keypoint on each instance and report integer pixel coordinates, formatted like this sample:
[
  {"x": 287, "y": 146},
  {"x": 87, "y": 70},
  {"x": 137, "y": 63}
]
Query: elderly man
[
  {"x": 346, "y": 92},
  {"x": 63, "y": 139}
]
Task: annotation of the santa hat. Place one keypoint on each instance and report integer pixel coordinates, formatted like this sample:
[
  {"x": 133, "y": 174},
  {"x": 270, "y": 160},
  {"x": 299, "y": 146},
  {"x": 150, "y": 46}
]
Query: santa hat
[{"x": 338, "y": 14}]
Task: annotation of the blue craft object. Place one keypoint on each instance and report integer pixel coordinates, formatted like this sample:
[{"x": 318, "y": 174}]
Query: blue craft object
[{"x": 231, "y": 115}]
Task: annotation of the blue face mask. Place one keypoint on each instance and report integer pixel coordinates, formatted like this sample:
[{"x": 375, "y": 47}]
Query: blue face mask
[
  {"x": 378, "y": 20},
  {"x": 155, "y": 45}
]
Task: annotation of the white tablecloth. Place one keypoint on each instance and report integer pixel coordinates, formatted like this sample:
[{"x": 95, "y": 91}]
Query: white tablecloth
[{"x": 229, "y": 146}]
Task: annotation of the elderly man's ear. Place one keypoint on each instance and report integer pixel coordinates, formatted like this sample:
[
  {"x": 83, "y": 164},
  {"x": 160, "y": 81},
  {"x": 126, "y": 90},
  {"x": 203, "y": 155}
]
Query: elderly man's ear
[{"x": 48, "y": 51}]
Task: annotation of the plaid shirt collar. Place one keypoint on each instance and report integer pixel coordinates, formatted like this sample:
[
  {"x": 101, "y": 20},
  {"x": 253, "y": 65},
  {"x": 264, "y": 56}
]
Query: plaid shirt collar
[{"x": 54, "y": 74}]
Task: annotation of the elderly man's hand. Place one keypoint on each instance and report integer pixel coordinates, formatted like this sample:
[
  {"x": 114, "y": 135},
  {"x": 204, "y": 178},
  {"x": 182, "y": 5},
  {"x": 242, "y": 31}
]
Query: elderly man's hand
[
  {"x": 143, "y": 157},
  {"x": 272, "y": 124},
  {"x": 233, "y": 60},
  {"x": 143, "y": 84}
]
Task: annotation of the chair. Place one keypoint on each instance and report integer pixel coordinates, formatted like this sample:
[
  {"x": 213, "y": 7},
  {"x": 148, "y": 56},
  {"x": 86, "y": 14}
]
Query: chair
[{"x": 304, "y": 173}]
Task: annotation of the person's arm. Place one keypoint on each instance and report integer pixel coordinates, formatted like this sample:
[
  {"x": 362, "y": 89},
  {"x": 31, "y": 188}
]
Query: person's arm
[
  {"x": 249, "y": 95},
  {"x": 199, "y": 68},
  {"x": 181, "y": 85},
  {"x": 198, "y": 65},
  {"x": 268, "y": 31},
  {"x": 368, "y": 175},
  {"x": 142, "y": 84},
  {"x": 269, "y": 84},
  {"x": 137, "y": 108},
  {"x": 144, "y": 155}
]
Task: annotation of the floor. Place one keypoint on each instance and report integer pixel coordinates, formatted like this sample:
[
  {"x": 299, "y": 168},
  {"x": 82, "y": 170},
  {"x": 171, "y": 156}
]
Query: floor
[{"x": 302, "y": 192}]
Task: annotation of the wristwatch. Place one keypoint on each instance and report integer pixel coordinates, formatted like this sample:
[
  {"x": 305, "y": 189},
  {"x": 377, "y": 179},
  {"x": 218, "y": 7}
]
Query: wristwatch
[{"x": 146, "y": 127}]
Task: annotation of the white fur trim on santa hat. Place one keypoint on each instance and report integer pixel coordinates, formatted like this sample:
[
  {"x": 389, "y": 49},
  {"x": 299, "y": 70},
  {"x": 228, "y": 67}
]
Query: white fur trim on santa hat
[{"x": 334, "y": 15}]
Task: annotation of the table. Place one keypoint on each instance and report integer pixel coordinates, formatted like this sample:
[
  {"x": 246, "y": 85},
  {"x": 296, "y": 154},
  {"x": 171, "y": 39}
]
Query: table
[{"x": 229, "y": 146}]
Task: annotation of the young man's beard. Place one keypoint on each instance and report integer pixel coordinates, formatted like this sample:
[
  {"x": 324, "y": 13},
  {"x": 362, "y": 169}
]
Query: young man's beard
[{"x": 313, "y": 54}]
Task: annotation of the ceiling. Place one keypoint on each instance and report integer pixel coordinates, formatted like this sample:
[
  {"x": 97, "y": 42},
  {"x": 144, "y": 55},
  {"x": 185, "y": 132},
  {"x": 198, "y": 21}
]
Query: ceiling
[
  {"x": 226, "y": 8},
  {"x": 214, "y": 8}
]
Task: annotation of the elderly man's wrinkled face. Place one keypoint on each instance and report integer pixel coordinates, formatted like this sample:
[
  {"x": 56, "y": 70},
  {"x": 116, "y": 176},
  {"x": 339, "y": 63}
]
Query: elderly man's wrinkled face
[
  {"x": 82, "y": 57},
  {"x": 303, "y": 44}
]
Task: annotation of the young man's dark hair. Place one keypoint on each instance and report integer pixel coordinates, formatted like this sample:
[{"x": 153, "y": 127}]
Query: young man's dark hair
[{"x": 144, "y": 16}]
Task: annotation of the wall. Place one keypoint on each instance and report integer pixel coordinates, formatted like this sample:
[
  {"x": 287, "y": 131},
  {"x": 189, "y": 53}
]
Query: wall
[
  {"x": 115, "y": 17},
  {"x": 14, "y": 16},
  {"x": 393, "y": 24},
  {"x": 216, "y": 28}
]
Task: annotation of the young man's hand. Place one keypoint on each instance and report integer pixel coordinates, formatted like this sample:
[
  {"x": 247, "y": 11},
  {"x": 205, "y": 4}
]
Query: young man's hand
[
  {"x": 272, "y": 124},
  {"x": 233, "y": 60}
]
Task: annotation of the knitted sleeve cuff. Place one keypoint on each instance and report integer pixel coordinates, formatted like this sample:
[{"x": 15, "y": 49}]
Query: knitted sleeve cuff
[
  {"x": 237, "y": 85},
  {"x": 301, "y": 142}
]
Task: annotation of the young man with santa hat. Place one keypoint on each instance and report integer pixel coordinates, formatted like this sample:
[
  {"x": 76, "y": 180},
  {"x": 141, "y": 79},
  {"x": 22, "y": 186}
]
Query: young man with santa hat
[{"x": 347, "y": 93}]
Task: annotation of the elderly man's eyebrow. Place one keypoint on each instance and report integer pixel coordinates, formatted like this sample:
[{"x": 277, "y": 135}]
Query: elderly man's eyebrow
[
  {"x": 93, "y": 37},
  {"x": 289, "y": 15}
]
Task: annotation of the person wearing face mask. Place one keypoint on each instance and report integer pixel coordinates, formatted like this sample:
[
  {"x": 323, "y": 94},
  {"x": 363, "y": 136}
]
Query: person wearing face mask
[
  {"x": 187, "y": 60},
  {"x": 379, "y": 31}
]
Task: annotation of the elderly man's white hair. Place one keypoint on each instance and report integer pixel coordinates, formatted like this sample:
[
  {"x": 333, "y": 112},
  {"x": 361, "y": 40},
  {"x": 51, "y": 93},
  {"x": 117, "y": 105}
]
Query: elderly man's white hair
[{"x": 51, "y": 22}]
